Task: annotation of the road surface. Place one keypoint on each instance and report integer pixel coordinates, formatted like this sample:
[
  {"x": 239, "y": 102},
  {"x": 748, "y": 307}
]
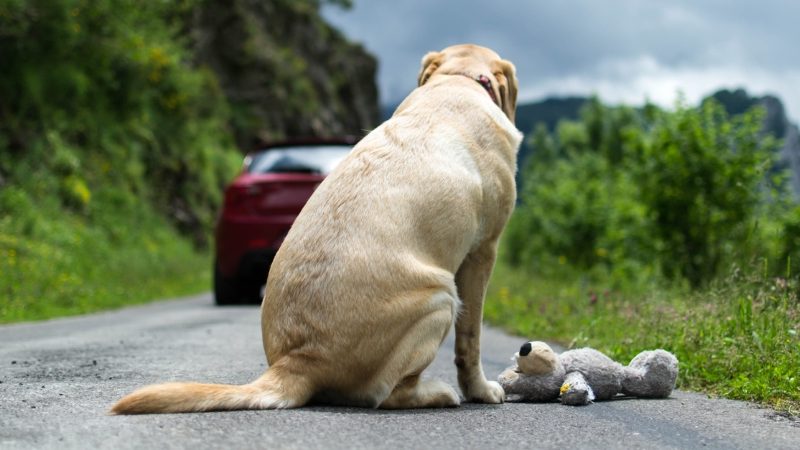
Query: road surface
[{"x": 58, "y": 379}]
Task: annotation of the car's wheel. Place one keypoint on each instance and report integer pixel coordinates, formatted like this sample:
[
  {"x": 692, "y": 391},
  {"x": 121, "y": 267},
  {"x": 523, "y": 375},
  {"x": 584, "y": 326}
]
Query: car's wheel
[
  {"x": 251, "y": 293},
  {"x": 226, "y": 290}
]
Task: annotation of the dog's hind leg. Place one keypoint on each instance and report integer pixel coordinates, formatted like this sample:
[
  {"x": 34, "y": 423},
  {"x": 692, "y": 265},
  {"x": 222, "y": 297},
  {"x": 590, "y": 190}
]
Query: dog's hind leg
[
  {"x": 413, "y": 354},
  {"x": 413, "y": 393}
]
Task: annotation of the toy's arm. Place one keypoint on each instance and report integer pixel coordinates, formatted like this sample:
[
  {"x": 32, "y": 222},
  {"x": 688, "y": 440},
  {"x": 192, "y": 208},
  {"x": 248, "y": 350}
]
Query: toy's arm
[
  {"x": 508, "y": 380},
  {"x": 576, "y": 391}
]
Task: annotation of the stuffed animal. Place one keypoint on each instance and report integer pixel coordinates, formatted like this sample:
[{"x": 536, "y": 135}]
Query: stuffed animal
[{"x": 583, "y": 375}]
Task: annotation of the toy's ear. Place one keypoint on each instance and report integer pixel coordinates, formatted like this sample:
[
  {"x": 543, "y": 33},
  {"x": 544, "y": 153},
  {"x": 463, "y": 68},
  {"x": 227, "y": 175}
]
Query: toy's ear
[{"x": 536, "y": 358}]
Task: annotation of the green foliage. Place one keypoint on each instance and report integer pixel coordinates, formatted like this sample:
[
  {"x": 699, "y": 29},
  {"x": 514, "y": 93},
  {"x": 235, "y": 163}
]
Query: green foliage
[
  {"x": 737, "y": 338},
  {"x": 631, "y": 194},
  {"x": 117, "y": 127},
  {"x": 700, "y": 177},
  {"x": 109, "y": 138},
  {"x": 54, "y": 263},
  {"x": 104, "y": 92}
]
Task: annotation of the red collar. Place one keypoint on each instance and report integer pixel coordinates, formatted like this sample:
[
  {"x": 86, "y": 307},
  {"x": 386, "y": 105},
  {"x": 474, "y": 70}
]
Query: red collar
[{"x": 484, "y": 81}]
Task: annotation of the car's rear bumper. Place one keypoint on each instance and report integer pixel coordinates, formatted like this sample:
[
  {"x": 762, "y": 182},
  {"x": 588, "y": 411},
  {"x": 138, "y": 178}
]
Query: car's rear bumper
[{"x": 244, "y": 244}]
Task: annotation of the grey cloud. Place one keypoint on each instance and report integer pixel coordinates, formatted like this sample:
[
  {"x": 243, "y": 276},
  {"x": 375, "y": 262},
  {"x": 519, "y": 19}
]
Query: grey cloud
[{"x": 577, "y": 38}]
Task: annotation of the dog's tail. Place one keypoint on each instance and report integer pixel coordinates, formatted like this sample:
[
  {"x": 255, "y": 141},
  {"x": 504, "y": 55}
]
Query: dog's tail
[{"x": 273, "y": 390}]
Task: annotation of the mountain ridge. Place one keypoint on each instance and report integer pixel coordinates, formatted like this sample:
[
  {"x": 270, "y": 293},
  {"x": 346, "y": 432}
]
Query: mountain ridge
[{"x": 552, "y": 110}]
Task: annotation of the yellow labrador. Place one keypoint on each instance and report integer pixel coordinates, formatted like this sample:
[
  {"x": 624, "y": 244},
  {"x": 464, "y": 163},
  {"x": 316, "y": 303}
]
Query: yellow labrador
[{"x": 393, "y": 247}]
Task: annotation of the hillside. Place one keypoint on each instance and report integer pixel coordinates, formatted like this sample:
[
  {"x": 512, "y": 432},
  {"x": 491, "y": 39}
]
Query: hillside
[
  {"x": 284, "y": 71},
  {"x": 121, "y": 121}
]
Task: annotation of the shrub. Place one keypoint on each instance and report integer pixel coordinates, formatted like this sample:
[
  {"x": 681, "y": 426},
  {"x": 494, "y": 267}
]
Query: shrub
[{"x": 629, "y": 194}]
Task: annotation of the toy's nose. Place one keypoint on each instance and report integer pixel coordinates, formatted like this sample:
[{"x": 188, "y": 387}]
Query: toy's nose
[{"x": 525, "y": 349}]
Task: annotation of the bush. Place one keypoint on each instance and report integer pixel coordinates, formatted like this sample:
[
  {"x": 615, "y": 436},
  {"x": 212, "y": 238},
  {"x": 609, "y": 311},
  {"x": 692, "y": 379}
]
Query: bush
[
  {"x": 700, "y": 176},
  {"x": 629, "y": 194}
]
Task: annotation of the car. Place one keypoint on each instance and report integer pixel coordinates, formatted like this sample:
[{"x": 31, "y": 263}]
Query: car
[{"x": 260, "y": 206}]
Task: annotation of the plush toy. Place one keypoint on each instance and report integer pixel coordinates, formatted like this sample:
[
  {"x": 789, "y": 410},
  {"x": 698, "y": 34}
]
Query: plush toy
[{"x": 583, "y": 375}]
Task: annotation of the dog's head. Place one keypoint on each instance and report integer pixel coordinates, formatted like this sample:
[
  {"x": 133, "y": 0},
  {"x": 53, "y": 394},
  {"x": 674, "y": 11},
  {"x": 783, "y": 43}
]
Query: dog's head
[{"x": 475, "y": 61}]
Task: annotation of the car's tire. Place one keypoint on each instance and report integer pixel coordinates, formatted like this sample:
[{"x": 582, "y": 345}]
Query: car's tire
[
  {"x": 251, "y": 293},
  {"x": 226, "y": 290}
]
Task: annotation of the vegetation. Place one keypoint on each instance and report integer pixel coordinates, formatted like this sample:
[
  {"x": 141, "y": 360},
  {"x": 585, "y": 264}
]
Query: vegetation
[
  {"x": 104, "y": 93},
  {"x": 117, "y": 135},
  {"x": 107, "y": 134},
  {"x": 737, "y": 338},
  {"x": 679, "y": 195},
  {"x": 69, "y": 264},
  {"x": 653, "y": 228},
  {"x": 284, "y": 71}
]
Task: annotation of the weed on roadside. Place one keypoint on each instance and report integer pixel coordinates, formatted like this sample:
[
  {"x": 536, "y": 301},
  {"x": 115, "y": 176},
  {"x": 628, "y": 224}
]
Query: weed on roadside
[{"x": 737, "y": 339}]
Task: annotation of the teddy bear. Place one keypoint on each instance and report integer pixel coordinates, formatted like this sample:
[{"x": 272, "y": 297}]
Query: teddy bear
[{"x": 583, "y": 375}]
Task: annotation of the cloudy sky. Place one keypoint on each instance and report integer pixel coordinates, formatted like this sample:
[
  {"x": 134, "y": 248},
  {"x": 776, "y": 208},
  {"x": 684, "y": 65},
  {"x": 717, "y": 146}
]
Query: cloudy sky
[{"x": 623, "y": 50}]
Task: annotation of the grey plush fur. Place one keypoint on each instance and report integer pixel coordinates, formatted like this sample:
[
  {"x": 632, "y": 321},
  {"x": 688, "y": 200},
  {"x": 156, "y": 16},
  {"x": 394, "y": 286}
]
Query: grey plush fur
[
  {"x": 583, "y": 375},
  {"x": 577, "y": 391}
]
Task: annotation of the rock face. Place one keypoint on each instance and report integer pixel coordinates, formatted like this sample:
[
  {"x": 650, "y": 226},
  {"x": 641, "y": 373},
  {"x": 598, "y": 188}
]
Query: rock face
[
  {"x": 791, "y": 154},
  {"x": 776, "y": 123},
  {"x": 284, "y": 70}
]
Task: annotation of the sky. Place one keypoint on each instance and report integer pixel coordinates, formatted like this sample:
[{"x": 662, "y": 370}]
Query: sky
[{"x": 626, "y": 51}]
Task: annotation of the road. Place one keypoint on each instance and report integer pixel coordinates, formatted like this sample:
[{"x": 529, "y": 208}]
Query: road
[{"x": 58, "y": 379}]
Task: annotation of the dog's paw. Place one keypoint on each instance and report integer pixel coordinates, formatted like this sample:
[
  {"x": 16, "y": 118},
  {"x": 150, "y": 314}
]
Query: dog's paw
[
  {"x": 447, "y": 397},
  {"x": 486, "y": 392}
]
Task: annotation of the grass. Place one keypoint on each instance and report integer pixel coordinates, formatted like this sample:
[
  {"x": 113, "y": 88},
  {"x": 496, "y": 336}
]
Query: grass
[
  {"x": 56, "y": 262},
  {"x": 737, "y": 339}
]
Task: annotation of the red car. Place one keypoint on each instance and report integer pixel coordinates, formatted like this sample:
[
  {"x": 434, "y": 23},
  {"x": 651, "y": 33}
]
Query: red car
[{"x": 259, "y": 207}]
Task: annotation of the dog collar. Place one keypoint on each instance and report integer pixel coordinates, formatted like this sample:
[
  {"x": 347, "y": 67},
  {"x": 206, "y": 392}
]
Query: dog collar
[{"x": 484, "y": 81}]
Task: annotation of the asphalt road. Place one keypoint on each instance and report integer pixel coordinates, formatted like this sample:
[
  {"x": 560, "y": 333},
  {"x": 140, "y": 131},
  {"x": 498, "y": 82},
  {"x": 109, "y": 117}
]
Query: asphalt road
[{"x": 58, "y": 379}]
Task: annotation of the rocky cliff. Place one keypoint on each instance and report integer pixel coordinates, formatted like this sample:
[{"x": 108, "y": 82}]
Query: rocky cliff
[
  {"x": 284, "y": 70},
  {"x": 776, "y": 123}
]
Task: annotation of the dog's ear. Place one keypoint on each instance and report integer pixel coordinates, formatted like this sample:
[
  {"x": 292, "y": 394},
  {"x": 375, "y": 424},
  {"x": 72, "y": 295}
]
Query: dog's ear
[
  {"x": 430, "y": 62},
  {"x": 507, "y": 84}
]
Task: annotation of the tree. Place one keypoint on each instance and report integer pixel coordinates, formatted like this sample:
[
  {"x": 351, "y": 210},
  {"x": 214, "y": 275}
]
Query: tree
[{"x": 700, "y": 179}]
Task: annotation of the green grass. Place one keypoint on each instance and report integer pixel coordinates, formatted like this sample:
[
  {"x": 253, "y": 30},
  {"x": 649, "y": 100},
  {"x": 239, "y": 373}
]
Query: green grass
[
  {"x": 56, "y": 262},
  {"x": 737, "y": 339}
]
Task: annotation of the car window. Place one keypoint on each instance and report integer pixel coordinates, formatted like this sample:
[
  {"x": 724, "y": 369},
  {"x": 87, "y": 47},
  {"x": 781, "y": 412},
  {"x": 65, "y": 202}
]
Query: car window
[{"x": 321, "y": 159}]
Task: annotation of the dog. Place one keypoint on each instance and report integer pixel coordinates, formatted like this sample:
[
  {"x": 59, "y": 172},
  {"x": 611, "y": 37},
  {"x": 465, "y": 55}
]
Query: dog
[{"x": 393, "y": 247}]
